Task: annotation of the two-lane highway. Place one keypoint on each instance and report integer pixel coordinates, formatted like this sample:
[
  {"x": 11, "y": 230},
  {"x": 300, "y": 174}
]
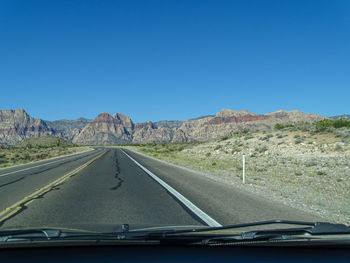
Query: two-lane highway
[
  {"x": 121, "y": 186},
  {"x": 112, "y": 190}
]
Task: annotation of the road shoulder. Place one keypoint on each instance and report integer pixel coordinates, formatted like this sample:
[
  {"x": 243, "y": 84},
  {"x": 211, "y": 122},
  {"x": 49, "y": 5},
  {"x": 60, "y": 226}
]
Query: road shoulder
[{"x": 235, "y": 203}]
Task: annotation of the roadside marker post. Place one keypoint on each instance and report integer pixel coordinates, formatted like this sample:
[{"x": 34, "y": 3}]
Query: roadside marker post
[{"x": 243, "y": 161}]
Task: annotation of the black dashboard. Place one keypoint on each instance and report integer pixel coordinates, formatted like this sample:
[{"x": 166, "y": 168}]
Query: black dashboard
[{"x": 139, "y": 253}]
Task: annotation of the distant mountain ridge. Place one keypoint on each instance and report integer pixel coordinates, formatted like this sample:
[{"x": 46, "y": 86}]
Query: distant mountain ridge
[
  {"x": 105, "y": 129},
  {"x": 67, "y": 127},
  {"x": 341, "y": 117}
]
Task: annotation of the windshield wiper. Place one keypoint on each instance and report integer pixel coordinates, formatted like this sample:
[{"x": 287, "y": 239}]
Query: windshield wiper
[
  {"x": 29, "y": 234},
  {"x": 314, "y": 227},
  {"x": 214, "y": 234},
  {"x": 199, "y": 235}
]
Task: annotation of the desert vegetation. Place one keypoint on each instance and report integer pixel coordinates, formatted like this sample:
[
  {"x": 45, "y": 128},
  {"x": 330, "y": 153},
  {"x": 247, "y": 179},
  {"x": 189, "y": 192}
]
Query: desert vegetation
[
  {"x": 306, "y": 165},
  {"x": 35, "y": 149}
]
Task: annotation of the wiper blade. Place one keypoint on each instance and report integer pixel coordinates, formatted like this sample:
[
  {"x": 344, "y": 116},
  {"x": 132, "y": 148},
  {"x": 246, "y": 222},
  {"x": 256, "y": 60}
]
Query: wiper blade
[
  {"x": 29, "y": 234},
  {"x": 322, "y": 228},
  {"x": 200, "y": 235},
  {"x": 210, "y": 234},
  {"x": 308, "y": 233},
  {"x": 313, "y": 227}
]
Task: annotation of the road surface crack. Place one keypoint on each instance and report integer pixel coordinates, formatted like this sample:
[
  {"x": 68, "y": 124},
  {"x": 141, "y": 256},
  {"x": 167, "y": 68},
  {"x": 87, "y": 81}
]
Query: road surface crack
[{"x": 117, "y": 173}]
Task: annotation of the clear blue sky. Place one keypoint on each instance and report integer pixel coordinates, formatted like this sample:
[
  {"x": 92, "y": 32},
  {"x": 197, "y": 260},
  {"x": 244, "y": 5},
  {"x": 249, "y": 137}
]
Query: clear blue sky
[{"x": 173, "y": 59}]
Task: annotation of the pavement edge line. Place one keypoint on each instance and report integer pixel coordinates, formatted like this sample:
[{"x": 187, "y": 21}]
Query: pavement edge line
[{"x": 196, "y": 210}]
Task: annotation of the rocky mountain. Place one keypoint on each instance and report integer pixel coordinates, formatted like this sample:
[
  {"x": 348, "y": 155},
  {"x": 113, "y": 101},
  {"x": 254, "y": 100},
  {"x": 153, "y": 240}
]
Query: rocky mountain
[
  {"x": 125, "y": 121},
  {"x": 226, "y": 121},
  {"x": 67, "y": 127},
  {"x": 149, "y": 132},
  {"x": 341, "y": 117},
  {"x": 169, "y": 124},
  {"x": 118, "y": 129},
  {"x": 16, "y": 125},
  {"x": 106, "y": 129}
]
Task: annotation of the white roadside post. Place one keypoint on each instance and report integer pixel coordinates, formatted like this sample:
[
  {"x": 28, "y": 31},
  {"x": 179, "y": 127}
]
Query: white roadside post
[{"x": 243, "y": 161}]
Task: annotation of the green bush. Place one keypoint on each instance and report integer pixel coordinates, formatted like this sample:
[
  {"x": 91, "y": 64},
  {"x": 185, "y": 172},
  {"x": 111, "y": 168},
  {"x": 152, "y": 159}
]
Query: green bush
[
  {"x": 207, "y": 154},
  {"x": 338, "y": 147},
  {"x": 26, "y": 156},
  {"x": 239, "y": 167},
  {"x": 326, "y": 124},
  {"x": 235, "y": 149},
  {"x": 323, "y": 125},
  {"x": 267, "y": 137},
  {"x": 224, "y": 138},
  {"x": 341, "y": 123},
  {"x": 311, "y": 163},
  {"x": 248, "y": 137},
  {"x": 298, "y": 140},
  {"x": 217, "y": 147},
  {"x": 279, "y": 126},
  {"x": 261, "y": 149}
]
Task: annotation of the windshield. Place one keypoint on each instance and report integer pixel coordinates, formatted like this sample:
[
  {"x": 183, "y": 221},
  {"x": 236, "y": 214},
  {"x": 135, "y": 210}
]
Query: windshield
[{"x": 155, "y": 115}]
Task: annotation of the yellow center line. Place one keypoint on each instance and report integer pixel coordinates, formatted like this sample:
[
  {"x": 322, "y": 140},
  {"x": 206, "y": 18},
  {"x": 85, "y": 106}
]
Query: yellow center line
[{"x": 18, "y": 206}]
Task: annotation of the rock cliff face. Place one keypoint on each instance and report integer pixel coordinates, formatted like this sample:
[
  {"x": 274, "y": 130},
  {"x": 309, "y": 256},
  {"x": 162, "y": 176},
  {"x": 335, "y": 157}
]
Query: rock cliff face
[
  {"x": 229, "y": 116},
  {"x": 16, "y": 125},
  {"x": 103, "y": 130},
  {"x": 148, "y": 132},
  {"x": 168, "y": 124},
  {"x": 119, "y": 128},
  {"x": 293, "y": 116},
  {"x": 69, "y": 128},
  {"x": 226, "y": 121},
  {"x": 125, "y": 121}
]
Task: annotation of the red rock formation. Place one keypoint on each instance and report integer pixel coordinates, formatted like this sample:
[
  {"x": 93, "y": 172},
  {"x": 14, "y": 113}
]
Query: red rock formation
[
  {"x": 105, "y": 117},
  {"x": 242, "y": 119}
]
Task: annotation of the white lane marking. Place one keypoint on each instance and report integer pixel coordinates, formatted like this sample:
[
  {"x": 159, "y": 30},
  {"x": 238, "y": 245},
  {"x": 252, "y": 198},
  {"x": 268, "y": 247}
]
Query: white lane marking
[
  {"x": 197, "y": 211},
  {"x": 29, "y": 168}
]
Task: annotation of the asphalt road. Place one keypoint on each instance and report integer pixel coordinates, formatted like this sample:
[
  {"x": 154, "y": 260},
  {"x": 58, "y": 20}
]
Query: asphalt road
[{"x": 114, "y": 190}]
